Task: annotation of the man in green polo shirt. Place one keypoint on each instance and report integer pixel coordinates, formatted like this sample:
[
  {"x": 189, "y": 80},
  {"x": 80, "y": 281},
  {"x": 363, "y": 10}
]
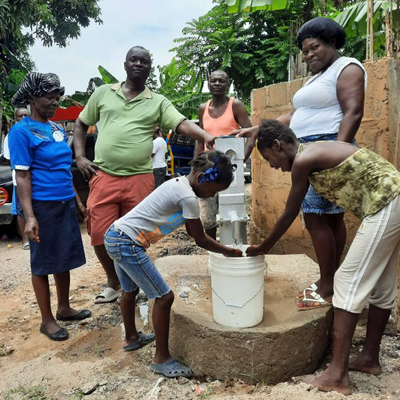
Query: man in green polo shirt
[{"x": 121, "y": 175}]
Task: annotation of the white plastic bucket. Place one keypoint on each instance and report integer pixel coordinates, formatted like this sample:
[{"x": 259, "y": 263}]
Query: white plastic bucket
[{"x": 237, "y": 285}]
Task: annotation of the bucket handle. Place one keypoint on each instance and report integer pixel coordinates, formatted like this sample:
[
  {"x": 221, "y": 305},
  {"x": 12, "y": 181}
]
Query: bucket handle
[{"x": 237, "y": 305}]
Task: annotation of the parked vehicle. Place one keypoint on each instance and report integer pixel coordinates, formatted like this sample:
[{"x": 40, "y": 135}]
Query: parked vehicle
[
  {"x": 66, "y": 117},
  {"x": 180, "y": 153},
  {"x": 6, "y": 190},
  {"x": 181, "y": 149}
]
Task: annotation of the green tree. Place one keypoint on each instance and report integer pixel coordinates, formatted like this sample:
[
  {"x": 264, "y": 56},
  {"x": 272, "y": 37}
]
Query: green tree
[
  {"x": 351, "y": 14},
  {"x": 353, "y": 18},
  {"x": 50, "y": 21},
  {"x": 253, "y": 48},
  {"x": 183, "y": 86}
]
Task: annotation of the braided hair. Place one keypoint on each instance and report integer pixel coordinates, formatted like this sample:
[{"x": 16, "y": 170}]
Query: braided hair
[{"x": 215, "y": 165}]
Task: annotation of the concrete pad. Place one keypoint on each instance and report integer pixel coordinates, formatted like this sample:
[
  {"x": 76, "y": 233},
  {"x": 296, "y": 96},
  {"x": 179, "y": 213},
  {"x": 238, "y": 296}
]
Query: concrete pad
[{"x": 287, "y": 343}]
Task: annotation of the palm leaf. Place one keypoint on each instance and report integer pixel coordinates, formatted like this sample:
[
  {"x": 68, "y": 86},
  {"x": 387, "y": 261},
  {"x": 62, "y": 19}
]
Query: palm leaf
[
  {"x": 107, "y": 76},
  {"x": 354, "y": 18},
  {"x": 236, "y": 6}
]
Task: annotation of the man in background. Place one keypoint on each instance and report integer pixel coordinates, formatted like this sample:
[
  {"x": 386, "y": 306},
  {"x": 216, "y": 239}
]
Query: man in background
[
  {"x": 219, "y": 116},
  {"x": 19, "y": 114},
  {"x": 159, "y": 153}
]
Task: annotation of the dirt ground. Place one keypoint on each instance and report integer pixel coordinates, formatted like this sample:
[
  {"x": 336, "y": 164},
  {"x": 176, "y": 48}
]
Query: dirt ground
[{"x": 92, "y": 365}]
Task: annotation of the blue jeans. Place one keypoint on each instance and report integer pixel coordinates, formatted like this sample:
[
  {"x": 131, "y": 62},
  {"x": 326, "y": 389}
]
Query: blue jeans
[
  {"x": 313, "y": 203},
  {"x": 133, "y": 266}
]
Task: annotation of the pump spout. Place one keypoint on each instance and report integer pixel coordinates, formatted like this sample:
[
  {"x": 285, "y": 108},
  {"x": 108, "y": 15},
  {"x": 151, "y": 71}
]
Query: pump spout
[{"x": 235, "y": 222}]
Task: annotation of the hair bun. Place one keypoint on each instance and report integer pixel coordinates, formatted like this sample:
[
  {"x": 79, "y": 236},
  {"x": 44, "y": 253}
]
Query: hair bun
[{"x": 325, "y": 29}]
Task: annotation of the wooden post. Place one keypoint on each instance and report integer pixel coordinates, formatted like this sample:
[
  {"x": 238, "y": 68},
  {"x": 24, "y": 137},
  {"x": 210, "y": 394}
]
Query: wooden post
[
  {"x": 367, "y": 37},
  {"x": 391, "y": 33},
  {"x": 387, "y": 33},
  {"x": 291, "y": 60},
  {"x": 372, "y": 31},
  {"x": 389, "y": 39},
  {"x": 397, "y": 307},
  {"x": 398, "y": 28}
]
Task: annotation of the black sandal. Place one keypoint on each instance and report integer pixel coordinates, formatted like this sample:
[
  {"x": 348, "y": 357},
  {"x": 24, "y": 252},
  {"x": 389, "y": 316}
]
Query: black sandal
[
  {"x": 83, "y": 314},
  {"x": 61, "y": 334}
]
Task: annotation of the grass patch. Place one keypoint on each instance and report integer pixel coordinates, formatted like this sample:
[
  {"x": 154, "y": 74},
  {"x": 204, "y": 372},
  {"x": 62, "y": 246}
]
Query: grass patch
[
  {"x": 77, "y": 394},
  {"x": 23, "y": 393}
]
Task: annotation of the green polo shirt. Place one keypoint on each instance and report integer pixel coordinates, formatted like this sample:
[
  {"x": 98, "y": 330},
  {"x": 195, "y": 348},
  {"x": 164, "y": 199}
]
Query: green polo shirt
[{"x": 125, "y": 141}]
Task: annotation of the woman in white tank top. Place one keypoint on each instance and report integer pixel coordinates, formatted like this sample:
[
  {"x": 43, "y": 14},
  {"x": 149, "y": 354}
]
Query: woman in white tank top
[{"x": 329, "y": 107}]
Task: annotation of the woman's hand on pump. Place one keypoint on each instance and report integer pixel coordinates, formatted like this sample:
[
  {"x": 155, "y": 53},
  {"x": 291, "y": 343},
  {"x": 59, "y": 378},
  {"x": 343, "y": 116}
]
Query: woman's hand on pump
[{"x": 245, "y": 132}]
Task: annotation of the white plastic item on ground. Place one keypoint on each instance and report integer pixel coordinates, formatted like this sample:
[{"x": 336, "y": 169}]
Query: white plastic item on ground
[{"x": 237, "y": 285}]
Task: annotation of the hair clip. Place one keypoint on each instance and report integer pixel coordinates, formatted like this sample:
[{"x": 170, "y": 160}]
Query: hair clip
[{"x": 211, "y": 174}]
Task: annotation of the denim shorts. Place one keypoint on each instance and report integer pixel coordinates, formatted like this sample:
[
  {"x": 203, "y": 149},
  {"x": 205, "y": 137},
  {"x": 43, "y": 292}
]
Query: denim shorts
[
  {"x": 133, "y": 266},
  {"x": 313, "y": 203}
]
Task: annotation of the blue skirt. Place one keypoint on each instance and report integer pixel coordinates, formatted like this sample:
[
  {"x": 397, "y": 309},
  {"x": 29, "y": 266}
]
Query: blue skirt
[{"x": 60, "y": 248}]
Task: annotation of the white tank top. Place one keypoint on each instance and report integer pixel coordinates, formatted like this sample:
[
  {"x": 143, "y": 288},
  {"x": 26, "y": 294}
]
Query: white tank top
[{"x": 317, "y": 107}]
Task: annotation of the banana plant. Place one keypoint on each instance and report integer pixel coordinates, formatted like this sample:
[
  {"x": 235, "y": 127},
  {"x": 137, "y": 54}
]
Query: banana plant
[
  {"x": 235, "y": 6},
  {"x": 182, "y": 86},
  {"x": 81, "y": 98},
  {"x": 106, "y": 76},
  {"x": 354, "y": 18}
]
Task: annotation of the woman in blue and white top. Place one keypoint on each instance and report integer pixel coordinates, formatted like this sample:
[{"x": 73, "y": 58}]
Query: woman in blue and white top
[{"x": 42, "y": 160}]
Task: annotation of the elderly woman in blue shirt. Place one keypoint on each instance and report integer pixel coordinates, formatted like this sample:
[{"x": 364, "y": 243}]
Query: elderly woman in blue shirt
[{"x": 42, "y": 161}]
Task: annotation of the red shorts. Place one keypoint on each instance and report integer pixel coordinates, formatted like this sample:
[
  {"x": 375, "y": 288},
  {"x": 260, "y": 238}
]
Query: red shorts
[{"x": 111, "y": 197}]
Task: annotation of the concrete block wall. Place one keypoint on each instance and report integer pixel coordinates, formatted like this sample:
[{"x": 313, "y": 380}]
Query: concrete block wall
[
  {"x": 379, "y": 131},
  {"x": 270, "y": 187}
]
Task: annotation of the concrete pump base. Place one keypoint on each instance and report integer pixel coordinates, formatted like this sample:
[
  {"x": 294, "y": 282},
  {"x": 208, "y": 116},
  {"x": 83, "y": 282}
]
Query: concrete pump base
[{"x": 287, "y": 343}]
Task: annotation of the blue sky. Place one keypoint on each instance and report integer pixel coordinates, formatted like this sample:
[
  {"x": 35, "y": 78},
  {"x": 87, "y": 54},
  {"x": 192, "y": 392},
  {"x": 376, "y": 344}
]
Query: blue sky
[{"x": 152, "y": 24}]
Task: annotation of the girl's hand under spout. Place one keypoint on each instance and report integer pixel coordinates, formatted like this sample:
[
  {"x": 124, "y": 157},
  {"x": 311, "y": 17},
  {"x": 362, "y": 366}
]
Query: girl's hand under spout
[
  {"x": 234, "y": 253},
  {"x": 254, "y": 251}
]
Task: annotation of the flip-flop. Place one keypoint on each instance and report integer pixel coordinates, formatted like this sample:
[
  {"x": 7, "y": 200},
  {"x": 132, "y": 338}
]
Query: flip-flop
[
  {"x": 26, "y": 246},
  {"x": 172, "y": 369},
  {"x": 142, "y": 341},
  {"x": 312, "y": 288},
  {"x": 76, "y": 317},
  {"x": 315, "y": 298},
  {"x": 107, "y": 295},
  {"x": 61, "y": 334}
]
